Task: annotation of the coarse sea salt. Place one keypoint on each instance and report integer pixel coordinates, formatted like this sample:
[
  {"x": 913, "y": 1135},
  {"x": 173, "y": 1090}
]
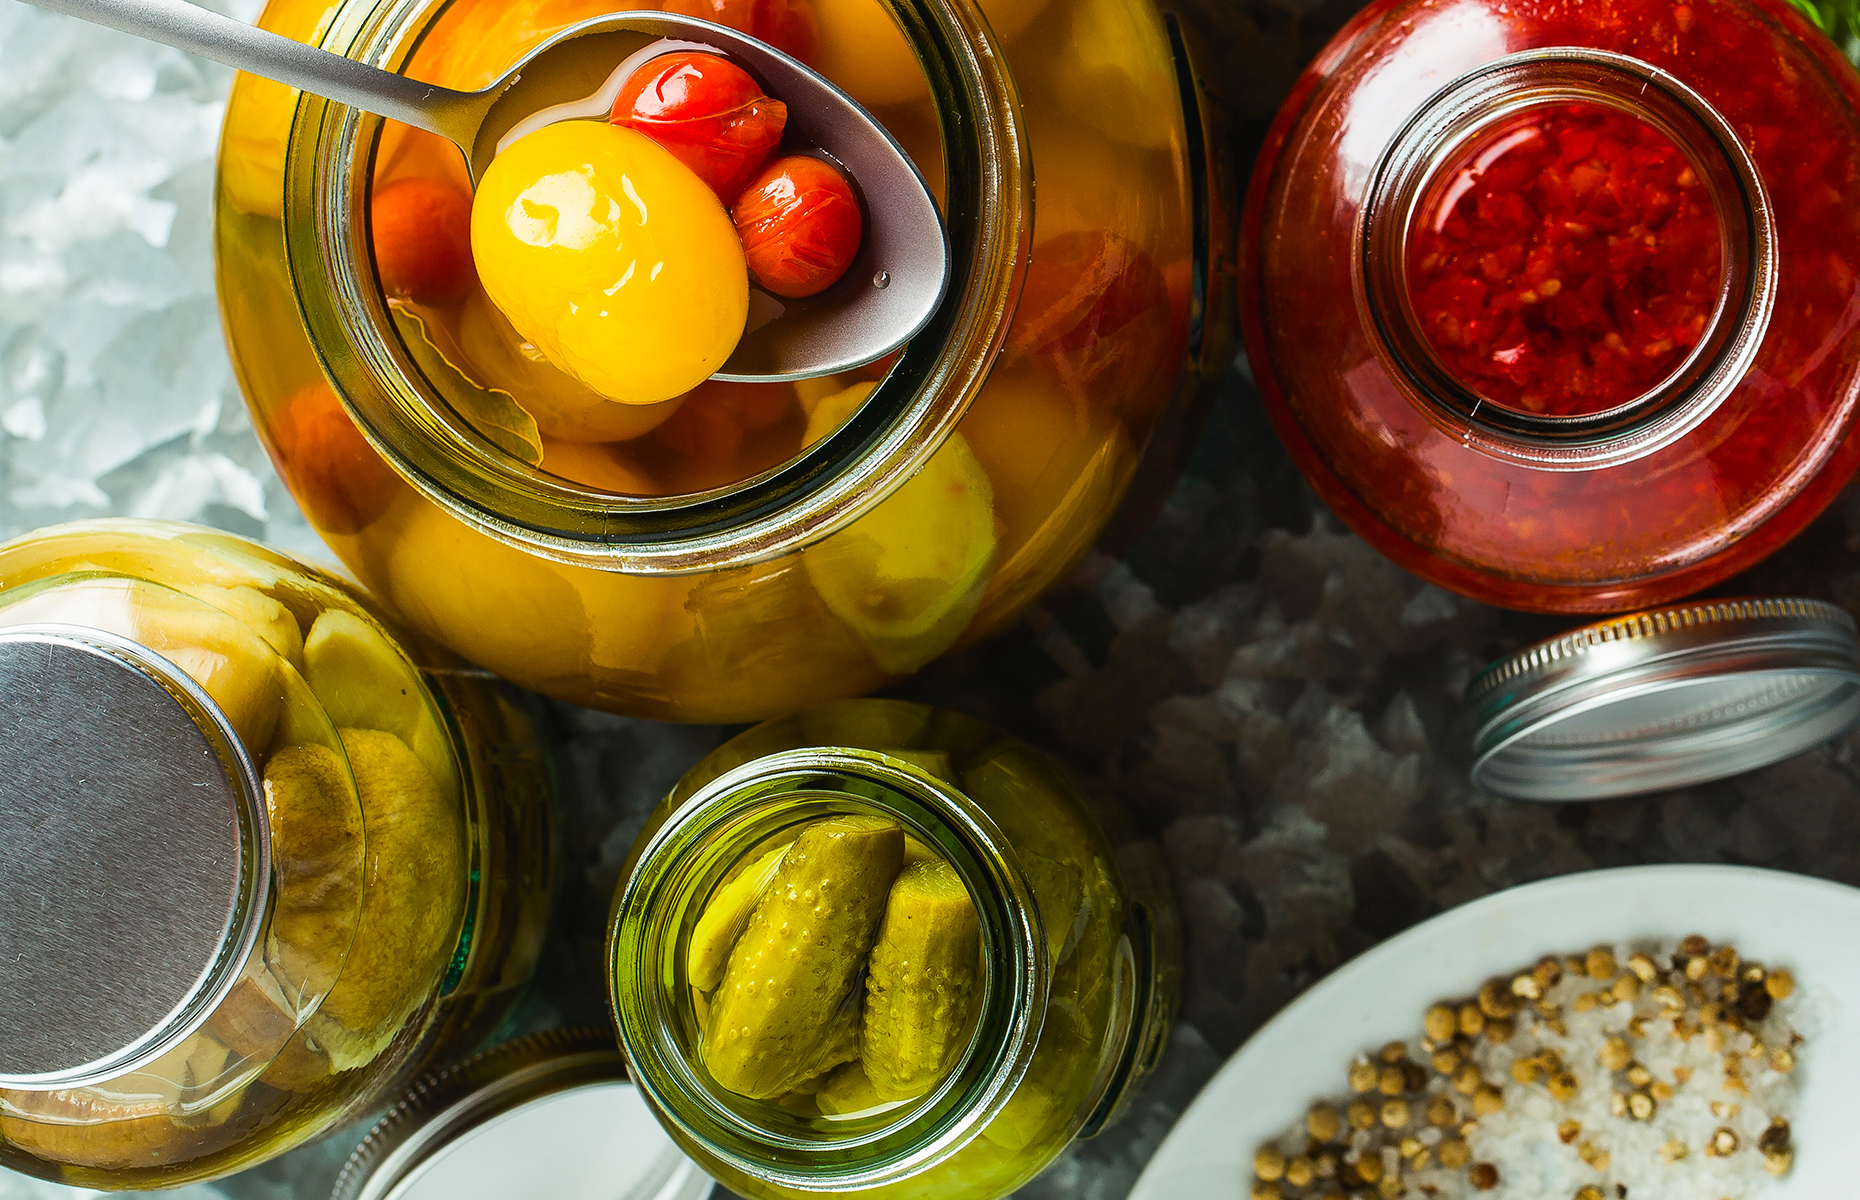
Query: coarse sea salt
[{"x": 1677, "y": 1089}]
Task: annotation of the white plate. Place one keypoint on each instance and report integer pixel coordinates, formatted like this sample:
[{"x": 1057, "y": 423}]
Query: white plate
[{"x": 1808, "y": 925}]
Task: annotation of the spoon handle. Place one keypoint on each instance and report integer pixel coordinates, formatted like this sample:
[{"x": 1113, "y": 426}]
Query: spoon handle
[{"x": 194, "y": 29}]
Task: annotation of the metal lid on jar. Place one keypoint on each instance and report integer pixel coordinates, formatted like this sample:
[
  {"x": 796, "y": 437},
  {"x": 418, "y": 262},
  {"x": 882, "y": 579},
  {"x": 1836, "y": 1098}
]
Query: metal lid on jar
[
  {"x": 548, "y": 1115},
  {"x": 1665, "y": 698},
  {"x": 133, "y": 860}
]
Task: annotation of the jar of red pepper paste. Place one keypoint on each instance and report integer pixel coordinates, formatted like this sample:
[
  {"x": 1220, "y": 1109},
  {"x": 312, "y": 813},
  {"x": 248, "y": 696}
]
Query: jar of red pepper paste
[{"x": 1555, "y": 302}]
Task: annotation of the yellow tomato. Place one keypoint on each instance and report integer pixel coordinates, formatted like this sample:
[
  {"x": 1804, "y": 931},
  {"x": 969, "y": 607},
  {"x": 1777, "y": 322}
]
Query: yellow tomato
[{"x": 612, "y": 258}]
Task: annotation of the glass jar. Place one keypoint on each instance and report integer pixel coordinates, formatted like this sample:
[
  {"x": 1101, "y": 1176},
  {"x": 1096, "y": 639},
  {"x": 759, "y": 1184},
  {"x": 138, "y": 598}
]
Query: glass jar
[
  {"x": 265, "y": 854},
  {"x": 744, "y": 550},
  {"x": 1550, "y": 302},
  {"x": 977, "y": 976}
]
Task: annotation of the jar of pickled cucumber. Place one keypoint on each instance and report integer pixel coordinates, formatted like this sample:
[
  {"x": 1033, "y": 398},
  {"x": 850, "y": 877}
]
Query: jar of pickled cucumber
[
  {"x": 262, "y": 854},
  {"x": 884, "y": 948},
  {"x": 738, "y": 550}
]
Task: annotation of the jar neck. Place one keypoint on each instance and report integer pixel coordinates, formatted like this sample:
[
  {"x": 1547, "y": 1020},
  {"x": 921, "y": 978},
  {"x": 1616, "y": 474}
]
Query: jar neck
[
  {"x": 681, "y": 860},
  {"x": 826, "y": 487},
  {"x": 1400, "y": 208}
]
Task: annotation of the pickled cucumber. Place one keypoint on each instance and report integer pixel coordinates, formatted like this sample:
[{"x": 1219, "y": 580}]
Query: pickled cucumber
[
  {"x": 365, "y": 683},
  {"x": 724, "y": 918},
  {"x": 800, "y": 955},
  {"x": 1053, "y": 1086},
  {"x": 1059, "y": 890},
  {"x": 847, "y": 1092},
  {"x": 923, "y": 982},
  {"x": 839, "y": 1047}
]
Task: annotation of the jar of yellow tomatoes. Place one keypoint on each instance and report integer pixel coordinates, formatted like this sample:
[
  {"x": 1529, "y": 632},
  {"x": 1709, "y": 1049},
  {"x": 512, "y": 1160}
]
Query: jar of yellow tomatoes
[
  {"x": 262, "y": 855},
  {"x": 881, "y": 948},
  {"x": 743, "y": 549}
]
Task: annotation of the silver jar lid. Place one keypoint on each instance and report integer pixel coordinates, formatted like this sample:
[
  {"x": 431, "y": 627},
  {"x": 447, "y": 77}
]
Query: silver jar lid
[
  {"x": 133, "y": 859},
  {"x": 547, "y": 1115},
  {"x": 1665, "y": 698}
]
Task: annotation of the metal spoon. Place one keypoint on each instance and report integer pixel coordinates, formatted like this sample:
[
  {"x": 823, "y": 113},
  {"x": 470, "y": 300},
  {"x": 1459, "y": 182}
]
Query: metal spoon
[{"x": 887, "y": 295}]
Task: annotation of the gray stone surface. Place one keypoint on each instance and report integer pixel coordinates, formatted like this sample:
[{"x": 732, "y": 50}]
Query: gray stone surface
[{"x": 1270, "y": 699}]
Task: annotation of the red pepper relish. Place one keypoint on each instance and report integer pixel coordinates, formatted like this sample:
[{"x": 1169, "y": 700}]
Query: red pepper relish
[{"x": 1564, "y": 260}]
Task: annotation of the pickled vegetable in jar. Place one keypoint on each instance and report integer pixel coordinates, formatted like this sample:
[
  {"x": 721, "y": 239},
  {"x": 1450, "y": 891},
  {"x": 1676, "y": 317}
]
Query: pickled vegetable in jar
[
  {"x": 262, "y": 860},
  {"x": 880, "y": 948},
  {"x": 735, "y": 550},
  {"x": 1547, "y": 300}
]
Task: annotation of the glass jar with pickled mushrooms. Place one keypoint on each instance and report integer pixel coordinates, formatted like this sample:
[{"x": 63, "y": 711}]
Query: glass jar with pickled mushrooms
[
  {"x": 883, "y": 948},
  {"x": 469, "y": 397},
  {"x": 265, "y": 854}
]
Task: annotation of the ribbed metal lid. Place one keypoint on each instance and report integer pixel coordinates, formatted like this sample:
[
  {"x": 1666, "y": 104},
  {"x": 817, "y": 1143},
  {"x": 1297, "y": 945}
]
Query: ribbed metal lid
[
  {"x": 548, "y": 1115},
  {"x": 132, "y": 859},
  {"x": 1665, "y": 698}
]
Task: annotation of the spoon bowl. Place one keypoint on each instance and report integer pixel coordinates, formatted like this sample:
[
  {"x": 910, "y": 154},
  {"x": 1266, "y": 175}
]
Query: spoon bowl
[{"x": 886, "y": 296}]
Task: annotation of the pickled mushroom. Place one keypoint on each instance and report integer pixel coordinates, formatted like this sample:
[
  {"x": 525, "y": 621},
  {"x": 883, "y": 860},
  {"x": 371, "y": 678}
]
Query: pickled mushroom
[
  {"x": 146, "y": 1119},
  {"x": 258, "y": 612},
  {"x": 411, "y": 904},
  {"x": 317, "y": 844},
  {"x": 800, "y": 955},
  {"x": 923, "y": 984}
]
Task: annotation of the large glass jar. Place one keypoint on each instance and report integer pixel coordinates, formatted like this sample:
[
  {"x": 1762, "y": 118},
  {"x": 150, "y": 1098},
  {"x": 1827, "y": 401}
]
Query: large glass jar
[
  {"x": 264, "y": 855},
  {"x": 744, "y": 550},
  {"x": 1553, "y": 303},
  {"x": 881, "y": 948}
]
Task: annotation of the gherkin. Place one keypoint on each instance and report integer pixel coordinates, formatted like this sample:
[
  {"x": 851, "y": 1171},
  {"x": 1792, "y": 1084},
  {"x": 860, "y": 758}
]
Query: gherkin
[
  {"x": 923, "y": 983},
  {"x": 798, "y": 959}
]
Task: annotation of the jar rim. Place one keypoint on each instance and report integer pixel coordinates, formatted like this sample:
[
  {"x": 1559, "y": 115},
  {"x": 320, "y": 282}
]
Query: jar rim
[
  {"x": 827, "y": 486},
  {"x": 1467, "y": 109},
  {"x": 739, "y": 806}
]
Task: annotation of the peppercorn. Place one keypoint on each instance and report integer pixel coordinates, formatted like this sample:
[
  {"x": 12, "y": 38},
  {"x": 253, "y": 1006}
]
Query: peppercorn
[
  {"x": 1723, "y": 1143},
  {"x": 1455, "y": 1153},
  {"x": 1269, "y": 1163},
  {"x": 1362, "y": 1076},
  {"x": 1440, "y": 1023},
  {"x": 1484, "y": 1176},
  {"x": 1396, "y": 1114},
  {"x": 1496, "y": 1000},
  {"x": 1601, "y": 963},
  {"x": 1780, "y": 985}
]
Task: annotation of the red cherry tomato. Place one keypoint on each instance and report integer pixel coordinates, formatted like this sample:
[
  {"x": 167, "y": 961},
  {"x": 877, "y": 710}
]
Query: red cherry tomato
[
  {"x": 708, "y": 112},
  {"x": 335, "y": 475},
  {"x": 800, "y": 226},
  {"x": 422, "y": 232},
  {"x": 1095, "y": 315},
  {"x": 788, "y": 25}
]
